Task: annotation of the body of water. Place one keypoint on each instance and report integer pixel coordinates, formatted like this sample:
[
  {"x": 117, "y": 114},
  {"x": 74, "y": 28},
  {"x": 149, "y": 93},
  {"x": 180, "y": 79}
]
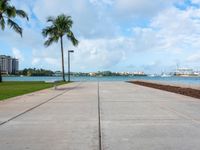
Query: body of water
[{"x": 182, "y": 80}]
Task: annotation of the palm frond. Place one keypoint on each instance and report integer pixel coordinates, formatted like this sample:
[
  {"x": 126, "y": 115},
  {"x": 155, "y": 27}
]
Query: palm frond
[
  {"x": 60, "y": 26},
  {"x": 22, "y": 14},
  {"x": 3, "y": 4},
  {"x": 50, "y": 41},
  {"x": 50, "y": 19},
  {"x": 72, "y": 38},
  {"x": 49, "y": 31},
  {"x": 2, "y": 23},
  {"x": 63, "y": 22},
  {"x": 14, "y": 26},
  {"x": 69, "y": 20},
  {"x": 10, "y": 11},
  {"x": 8, "y": 14}
]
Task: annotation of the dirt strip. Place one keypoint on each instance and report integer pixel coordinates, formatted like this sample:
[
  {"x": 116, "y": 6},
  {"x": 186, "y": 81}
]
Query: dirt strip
[{"x": 175, "y": 89}]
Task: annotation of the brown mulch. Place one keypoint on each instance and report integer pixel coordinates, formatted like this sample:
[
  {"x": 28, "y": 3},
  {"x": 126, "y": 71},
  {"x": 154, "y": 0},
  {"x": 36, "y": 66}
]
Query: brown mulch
[{"x": 175, "y": 89}]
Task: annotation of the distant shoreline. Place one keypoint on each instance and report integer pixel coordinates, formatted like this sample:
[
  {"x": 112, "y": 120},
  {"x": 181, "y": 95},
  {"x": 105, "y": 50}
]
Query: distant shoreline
[
  {"x": 100, "y": 76},
  {"x": 171, "y": 80},
  {"x": 77, "y": 76}
]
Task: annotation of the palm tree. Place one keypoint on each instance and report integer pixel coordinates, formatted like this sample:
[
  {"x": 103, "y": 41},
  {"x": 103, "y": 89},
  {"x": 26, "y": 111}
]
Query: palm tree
[
  {"x": 8, "y": 12},
  {"x": 60, "y": 26}
]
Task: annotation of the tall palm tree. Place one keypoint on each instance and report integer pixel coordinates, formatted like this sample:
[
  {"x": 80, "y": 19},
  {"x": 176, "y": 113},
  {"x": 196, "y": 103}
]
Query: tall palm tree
[
  {"x": 8, "y": 13},
  {"x": 60, "y": 26}
]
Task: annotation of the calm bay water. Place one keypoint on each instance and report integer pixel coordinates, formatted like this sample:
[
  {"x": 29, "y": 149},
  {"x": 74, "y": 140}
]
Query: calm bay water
[{"x": 182, "y": 80}]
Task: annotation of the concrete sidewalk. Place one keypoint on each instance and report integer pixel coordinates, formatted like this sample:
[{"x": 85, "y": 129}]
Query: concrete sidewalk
[
  {"x": 69, "y": 121},
  {"x": 140, "y": 118},
  {"x": 132, "y": 118}
]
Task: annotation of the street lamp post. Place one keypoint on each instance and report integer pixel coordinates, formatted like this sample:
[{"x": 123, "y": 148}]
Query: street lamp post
[{"x": 69, "y": 51}]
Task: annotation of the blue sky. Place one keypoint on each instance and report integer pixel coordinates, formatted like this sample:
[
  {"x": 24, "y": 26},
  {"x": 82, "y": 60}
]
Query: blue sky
[{"x": 116, "y": 35}]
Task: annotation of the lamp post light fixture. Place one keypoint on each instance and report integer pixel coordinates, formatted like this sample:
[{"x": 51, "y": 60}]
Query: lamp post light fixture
[{"x": 69, "y": 51}]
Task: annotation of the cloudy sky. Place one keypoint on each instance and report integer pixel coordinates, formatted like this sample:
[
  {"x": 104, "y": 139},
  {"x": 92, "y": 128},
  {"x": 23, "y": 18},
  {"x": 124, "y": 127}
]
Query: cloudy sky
[{"x": 116, "y": 35}]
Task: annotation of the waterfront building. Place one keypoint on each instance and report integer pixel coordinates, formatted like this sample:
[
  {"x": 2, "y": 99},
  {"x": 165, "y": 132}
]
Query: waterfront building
[
  {"x": 15, "y": 65},
  {"x": 92, "y": 74},
  {"x": 8, "y": 65},
  {"x": 197, "y": 73},
  {"x": 58, "y": 73},
  {"x": 184, "y": 72}
]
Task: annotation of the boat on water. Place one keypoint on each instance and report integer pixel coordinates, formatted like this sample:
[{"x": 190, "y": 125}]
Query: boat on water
[
  {"x": 165, "y": 75},
  {"x": 153, "y": 75}
]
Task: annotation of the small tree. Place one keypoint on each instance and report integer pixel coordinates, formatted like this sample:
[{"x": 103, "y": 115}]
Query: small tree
[
  {"x": 60, "y": 26},
  {"x": 8, "y": 13}
]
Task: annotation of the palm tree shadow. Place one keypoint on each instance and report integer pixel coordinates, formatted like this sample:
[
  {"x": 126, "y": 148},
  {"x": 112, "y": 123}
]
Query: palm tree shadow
[{"x": 67, "y": 88}]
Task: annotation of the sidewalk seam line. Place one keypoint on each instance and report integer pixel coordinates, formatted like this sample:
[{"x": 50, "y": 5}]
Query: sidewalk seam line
[{"x": 99, "y": 117}]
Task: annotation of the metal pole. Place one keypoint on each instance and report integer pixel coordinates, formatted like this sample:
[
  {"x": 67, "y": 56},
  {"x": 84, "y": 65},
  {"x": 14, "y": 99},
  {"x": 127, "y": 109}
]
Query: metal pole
[
  {"x": 68, "y": 66},
  {"x": 69, "y": 51}
]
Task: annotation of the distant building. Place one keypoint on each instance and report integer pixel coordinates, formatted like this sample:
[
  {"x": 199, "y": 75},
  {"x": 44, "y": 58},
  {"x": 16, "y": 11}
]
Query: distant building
[
  {"x": 92, "y": 74},
  {"x": 184, "y": 72},
  {"x": 8, "y": 65},
  {"x": 58, "y": 73},
  {"x": 15, "y": 65}
]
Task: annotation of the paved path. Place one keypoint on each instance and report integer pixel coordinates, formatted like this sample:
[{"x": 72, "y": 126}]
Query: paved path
[{"x": 107, "y": 116}]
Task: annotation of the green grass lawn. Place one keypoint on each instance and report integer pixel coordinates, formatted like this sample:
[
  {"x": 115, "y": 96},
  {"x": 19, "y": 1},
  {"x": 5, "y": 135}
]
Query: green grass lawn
[{"x": 12, "y": 89}]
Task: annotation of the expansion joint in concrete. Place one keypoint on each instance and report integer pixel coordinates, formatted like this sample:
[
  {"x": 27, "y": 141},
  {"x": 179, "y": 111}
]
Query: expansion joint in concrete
[{"x": 99, "y": 117}]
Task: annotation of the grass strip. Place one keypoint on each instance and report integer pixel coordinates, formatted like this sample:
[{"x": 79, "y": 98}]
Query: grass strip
[{"x": 12, "y": 89}]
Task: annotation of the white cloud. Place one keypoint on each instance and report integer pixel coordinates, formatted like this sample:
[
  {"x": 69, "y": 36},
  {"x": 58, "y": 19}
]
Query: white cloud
[
  {"x": 35, "y": 61},
  {"x": 99, "y": 19},
  {"x": 173, "y": 34},
  {"x": 195, "y": 58},
  {"x": 100, "y": 26},
  {"x": 142, "y": 8},
  {"x": 17, "y": 54},
  {"x": 196, "y": 1},
  {"x": 100, "y": 53},
  {"x": 90, "y": 20},
  {"x": 46, "y": 56}
]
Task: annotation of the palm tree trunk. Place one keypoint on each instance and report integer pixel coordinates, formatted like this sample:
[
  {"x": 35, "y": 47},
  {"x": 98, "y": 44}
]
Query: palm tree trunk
[
  {"x": 0, "y": 75},
  {"x": 0, "y": 71},
  {"x": 62, "y": 53}
]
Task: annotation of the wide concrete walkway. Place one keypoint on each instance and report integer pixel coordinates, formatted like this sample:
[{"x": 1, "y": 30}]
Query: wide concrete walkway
[{"x": 107, "y": 116}]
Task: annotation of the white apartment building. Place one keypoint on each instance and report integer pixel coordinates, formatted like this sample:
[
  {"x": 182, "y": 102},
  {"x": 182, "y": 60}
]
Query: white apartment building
[
  {"x": 184, "y": 71},
  {"x": 8, "y": 65}
]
